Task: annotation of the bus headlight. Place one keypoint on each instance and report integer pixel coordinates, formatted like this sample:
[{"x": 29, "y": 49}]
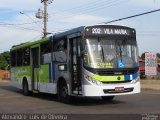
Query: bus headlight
[
  {"x": 99, "y": 83},
  {"x": 135, "y": 80},
  {"x": 93, "y": 81}
]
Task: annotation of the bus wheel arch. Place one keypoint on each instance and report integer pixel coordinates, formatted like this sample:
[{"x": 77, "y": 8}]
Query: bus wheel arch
[
  {"x": 62, "y": 90},
  {"x": 25, "y": 87}
]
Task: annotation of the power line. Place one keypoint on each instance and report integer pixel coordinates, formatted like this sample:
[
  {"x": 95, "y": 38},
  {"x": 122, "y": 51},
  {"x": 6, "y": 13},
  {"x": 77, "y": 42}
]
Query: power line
[
  {"x": 145, "y": 13},
  {"x": 93, "y": 4},
  {"x": 81, "y": 6},
  {"x": 90, "y": 9},
  {"x": 22, "y": 28},
  {"x": 27, "y": 16},
  {"x": 33, "y": 20},
  {"x": 3, "y": 23},
  {"x": 35, "y": 38},
  {"x": 31, "y": 40},
  {"x": 110, "y": 3}
]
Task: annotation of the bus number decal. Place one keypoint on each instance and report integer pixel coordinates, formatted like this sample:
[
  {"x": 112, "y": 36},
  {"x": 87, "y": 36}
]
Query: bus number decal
[{"x": 96, "y": 31}]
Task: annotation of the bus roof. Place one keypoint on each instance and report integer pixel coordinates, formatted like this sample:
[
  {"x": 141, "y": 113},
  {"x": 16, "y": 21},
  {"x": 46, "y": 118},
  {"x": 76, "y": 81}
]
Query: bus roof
[
  {"x": 69, "y": 32},
  {"x": 27, "y": 44}
]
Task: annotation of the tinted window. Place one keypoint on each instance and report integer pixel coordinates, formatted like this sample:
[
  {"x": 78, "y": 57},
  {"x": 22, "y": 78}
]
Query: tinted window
[
  {"x": 60, "y": 45},
  {"x": 26, "y": 56},
  {"x": 19, "y": 57},
  {"x": 46, "y": 49},
  {"x": 60, "y": 50},
  {"x": 13, "y": 58}
]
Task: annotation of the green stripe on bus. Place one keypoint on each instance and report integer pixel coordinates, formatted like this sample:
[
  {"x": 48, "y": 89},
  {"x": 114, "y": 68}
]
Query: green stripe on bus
[
  {"x": 108, "y": 78},
  {"x": 44, "y": 73},
  {"x": 34, "y": 46},
  {"x": 28, "y": 44},
  {"x": 20, "y": 72}
]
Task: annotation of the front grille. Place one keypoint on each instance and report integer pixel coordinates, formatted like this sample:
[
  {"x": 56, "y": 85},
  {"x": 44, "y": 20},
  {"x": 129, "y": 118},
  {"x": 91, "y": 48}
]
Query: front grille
[
  {"x": 118, "y": 72},
  {"x": 114, "y": 82},
  {"x": 106, "y": 91}
]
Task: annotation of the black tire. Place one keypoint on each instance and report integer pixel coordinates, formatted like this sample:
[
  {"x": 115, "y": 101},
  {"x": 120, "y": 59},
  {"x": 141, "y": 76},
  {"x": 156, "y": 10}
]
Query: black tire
[
  {"x": 107, "y": 98},
  {"x": 63, "y": 92},
  {"x": 25, "y": 88}
]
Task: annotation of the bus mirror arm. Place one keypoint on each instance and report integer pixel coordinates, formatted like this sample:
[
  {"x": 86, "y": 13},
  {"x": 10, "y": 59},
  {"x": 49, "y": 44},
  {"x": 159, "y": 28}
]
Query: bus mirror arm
[{"x": 82, "y": 53}]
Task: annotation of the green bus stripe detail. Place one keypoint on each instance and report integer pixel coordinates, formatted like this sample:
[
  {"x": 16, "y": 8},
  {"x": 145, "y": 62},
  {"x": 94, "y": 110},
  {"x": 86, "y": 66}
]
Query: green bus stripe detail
[
  {"x": 34, "y": 46},
  {"x": 20, "y": 72},
  {"x": 109, "y": 78},
  {"x": 44, "y": 73},
  {"x": 28, "y": 44}
]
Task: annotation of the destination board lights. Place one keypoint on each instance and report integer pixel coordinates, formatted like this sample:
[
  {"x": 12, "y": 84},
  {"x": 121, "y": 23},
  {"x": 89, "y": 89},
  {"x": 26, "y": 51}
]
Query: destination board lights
[{"x": 108, "y": 31}]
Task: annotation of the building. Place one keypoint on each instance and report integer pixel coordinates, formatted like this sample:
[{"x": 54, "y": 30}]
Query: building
[
  {"x": 142, "y": 68},
  {"x": 4, "y": 74}
]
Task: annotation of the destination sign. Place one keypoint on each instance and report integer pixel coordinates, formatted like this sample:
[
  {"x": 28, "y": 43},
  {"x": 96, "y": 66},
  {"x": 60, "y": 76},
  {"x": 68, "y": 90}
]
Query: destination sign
[{"x": 108, "y": 31}]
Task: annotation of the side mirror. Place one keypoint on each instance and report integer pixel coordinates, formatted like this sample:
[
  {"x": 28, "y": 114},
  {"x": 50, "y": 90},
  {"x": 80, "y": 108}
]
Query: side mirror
[{"x": 82, "y": 52}]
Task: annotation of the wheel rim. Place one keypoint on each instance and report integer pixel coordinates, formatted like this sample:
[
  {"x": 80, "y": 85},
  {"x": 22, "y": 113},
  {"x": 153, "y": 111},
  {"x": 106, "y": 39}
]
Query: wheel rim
[
  {"x": 25, "y": 90},
  {"x": 64, "y": 92}
]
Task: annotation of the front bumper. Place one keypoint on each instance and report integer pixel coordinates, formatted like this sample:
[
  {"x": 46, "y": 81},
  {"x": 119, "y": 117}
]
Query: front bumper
[{"x": 110, "y": 89}]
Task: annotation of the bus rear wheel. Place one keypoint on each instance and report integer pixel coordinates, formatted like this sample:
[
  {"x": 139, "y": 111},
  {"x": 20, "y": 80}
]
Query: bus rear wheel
[
  {"x": 25, "y": 88},
  {"x": 107, "y": 98},
  {"x": 63, "y": 92}
]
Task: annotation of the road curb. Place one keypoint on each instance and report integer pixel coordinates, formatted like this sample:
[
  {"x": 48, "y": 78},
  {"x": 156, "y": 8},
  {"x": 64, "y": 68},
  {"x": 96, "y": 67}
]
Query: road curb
[
  {"x": 149, "y": 89},
  {"x": 150, "y": 85}
]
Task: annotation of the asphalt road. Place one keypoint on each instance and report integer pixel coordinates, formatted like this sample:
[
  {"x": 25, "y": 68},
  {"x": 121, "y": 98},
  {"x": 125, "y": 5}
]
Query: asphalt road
[{"x": 12, "y": 101}]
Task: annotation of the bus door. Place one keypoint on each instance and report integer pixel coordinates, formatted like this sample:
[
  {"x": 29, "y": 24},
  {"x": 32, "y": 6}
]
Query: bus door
[
  {"x": 35, "y": 64},
  {"x": 75, "y": 63}
]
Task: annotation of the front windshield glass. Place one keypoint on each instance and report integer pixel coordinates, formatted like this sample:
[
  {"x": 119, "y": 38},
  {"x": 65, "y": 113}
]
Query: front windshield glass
[{"x": 107, "y": 53}]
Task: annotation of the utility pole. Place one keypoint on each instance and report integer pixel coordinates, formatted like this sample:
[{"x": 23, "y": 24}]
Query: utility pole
[
  {"x": 43, "y": 14},
  {"x": 45, "y": 18}
]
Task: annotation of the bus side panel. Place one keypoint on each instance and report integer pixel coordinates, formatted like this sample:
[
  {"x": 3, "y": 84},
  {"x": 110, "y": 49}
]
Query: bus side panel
[
  {"x": 44, "y": 78},
  {"x": 61, "y": 74},
  {"x": 47, "y": 79},
  {"x": 17, "y": 75},
  {"x": 44, "y": 73}
]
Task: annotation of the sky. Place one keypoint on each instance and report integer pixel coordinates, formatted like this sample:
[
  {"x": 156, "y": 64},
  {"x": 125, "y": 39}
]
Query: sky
[{"x": 16, "y": 28}]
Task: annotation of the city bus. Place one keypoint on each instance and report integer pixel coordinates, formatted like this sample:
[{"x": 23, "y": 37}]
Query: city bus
[{"x": 99, "y": 61}]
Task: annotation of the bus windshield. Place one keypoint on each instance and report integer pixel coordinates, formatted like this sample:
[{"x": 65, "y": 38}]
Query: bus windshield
[{"x": 108, "y": 53}]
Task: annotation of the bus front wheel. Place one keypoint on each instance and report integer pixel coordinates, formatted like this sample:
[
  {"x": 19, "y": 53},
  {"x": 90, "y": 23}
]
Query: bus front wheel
[
  {"x": 63, "y": 92},
  {"x": 25, "y": 88}
]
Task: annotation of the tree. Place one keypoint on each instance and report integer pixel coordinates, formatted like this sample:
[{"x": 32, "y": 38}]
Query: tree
[
  {"x": 158, "y": 55},
  {"x": 143, "y": 55},
  {"x": 4, "y": 60}
]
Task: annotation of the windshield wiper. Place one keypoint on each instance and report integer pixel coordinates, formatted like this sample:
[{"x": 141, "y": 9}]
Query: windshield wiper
[
  {"x": 120, "y": 51},
  {"x": 103, "y": 54},
  {"x": 102, "y": 51}
]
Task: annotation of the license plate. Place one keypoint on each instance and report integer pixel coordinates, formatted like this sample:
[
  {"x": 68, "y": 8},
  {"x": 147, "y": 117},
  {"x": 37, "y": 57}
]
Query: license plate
[{"x": 119, "y": 89}]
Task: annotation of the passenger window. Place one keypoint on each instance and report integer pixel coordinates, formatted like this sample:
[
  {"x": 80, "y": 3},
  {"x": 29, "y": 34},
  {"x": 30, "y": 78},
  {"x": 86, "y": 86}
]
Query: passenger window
[
  {"x": 60, "y": 45},
  {"x": 26, "y": 56},
  {"x": 46, "y": 49},
  {"x": 13, "y": 58},
  {"x": 60, "y": 51},
  {"x": 19, "y": 57}
]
